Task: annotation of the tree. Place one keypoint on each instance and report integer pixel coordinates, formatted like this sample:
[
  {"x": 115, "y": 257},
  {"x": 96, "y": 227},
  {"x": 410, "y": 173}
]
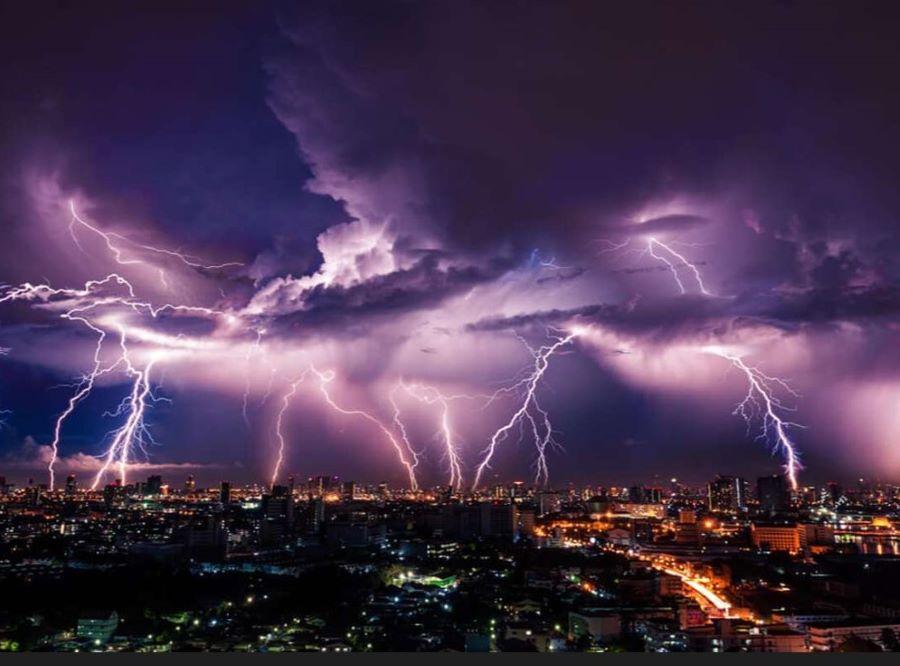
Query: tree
[
  {"x": 584, "y": 642},
  {"x": 854, "y": 643}
]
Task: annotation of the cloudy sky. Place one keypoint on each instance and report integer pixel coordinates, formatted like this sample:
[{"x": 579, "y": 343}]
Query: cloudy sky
[{"x": 365, "y": 226}]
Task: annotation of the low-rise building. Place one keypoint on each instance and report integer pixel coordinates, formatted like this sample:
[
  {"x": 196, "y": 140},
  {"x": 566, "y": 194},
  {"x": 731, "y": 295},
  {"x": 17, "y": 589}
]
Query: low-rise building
[
  {"x": 598, "y": 624},
  {"x": 787, "y": 538},
  {"x": 826, "y": 636},
  {"x": 98, "y": 627}
]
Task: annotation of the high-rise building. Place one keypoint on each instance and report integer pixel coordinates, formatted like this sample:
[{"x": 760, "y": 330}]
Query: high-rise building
[
  {"x": 597, "y": 504},
  {"x": 644, "y": 495},
  {"x": 71, "y": 485},
  {"x": 348, "y": 490},
  {"x": 153, "y": 485},
  {"x": 833, "y": 493},
  {"x": 204, "y": 537},
  {"x": 277, "y": 517},
  {"x": 111, "y": 493},
  {"x": 190, "y": 485},
  {"x": 548, "y": 503},
  {"x": 279, "y": 504},
  {"x": 498, "y": 519},
  {"x": 318, "y": 486},
  {"x": 727, "y": 493},
  {"x": 772, "y": 493},
  {"x": 525, "y": 520},
  {"x": 225, "y": 493},
  {"x": 316, "y": 515}
]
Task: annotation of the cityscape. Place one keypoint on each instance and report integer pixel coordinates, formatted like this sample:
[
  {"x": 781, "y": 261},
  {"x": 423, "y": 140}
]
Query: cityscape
[
  {"x": 332, "y": 565},
  {"x": 470, "y": 326}
]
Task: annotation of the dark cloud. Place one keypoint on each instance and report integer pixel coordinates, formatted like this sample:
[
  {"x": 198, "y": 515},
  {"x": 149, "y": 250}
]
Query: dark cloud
[
  {"x": 425, "y": 285},
  {"x": 545, "y": 318},
  {"x": 865, "y": 305},
  {"x": 487, "y": 121},
  {"x": 668, "y": 223},
  {"x": 442, "y": 144},
  {"x": 689, "y": 315},
  {"x": 561, "y": 275}
]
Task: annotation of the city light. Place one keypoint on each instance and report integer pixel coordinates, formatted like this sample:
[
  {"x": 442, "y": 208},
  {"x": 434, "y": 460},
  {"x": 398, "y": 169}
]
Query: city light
[{"x": 450, "y": 327}]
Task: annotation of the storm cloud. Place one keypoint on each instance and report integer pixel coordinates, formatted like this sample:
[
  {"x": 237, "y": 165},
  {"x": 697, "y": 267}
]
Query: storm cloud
[{"x": 414, "y": 190}]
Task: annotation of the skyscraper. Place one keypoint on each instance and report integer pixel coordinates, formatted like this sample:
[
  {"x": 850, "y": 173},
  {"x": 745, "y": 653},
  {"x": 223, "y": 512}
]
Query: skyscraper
[
  {"x": 153, "y": 485},
  {"x": 277, "y": 514},
  {"x": 833, "y": 493},
  {"x": 316, "y": 515},
  {"x": 498, "y": 519},
  {"x": 548, "y": 502},
  {"x": 644, "y": 495},
  {"x": 772, "y": 493},
  {"x": 225, "y": 493},
  {"x": 727, "y": 493},
  {"x": 71, "y": 485},
  {"x": 204, "y": 536},
  {"x": 318, "y": 486}
]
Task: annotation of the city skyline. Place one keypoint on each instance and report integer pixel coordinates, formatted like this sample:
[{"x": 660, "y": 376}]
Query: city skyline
[
  {"x": 329, "y": 565},
  {"x": 773, "y": 489},
  {"x": 381, "y": 326},
  {"x": 300, "y": 255}
]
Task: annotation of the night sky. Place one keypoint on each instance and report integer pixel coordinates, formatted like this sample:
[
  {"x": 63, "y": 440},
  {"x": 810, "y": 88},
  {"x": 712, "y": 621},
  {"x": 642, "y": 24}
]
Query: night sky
[{"x": 416, "y": 194}]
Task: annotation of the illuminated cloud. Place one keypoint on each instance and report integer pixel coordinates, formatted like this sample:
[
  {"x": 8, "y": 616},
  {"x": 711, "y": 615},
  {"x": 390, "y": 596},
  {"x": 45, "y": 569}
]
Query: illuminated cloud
[{"x": 457, "y": 209}]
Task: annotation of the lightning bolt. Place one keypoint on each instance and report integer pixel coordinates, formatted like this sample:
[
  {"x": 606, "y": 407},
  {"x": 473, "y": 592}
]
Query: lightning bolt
[
  {"x": 109, "y": 238},
  {"x": 407, "y": 455},
  {"x": 85, "y": 305},
  {"x": 44, "y": 292},
  {"x": 83, "y": 389},
  {"x": 538, "y": 261},
  {"x": 279, "y": 426},
  {"x": 430, "y": 395},
  {"x": 664, "y": 253},
  {"x": 133, "y": 433},
  {"x": 81, "y": 304},
  {"x": 762, "y": 401},
  {"x": 542, "y": 440},
  {"x": 528, "y": 408},
  {"x": 269, "y": 385},
  {"x": 530, "y": 415},
  {"x": 254, "y": 349},
  {"x": 4, "y": 412},
  {"x": 652, "y": 243}
]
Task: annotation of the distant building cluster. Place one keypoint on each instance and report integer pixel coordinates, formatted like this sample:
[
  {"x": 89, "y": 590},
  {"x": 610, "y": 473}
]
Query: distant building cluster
[{"x": 731, "y": 566}]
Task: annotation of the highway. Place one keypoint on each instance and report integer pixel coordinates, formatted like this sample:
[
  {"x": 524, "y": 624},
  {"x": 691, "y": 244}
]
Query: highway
[{"x": 701, "y": 589}]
